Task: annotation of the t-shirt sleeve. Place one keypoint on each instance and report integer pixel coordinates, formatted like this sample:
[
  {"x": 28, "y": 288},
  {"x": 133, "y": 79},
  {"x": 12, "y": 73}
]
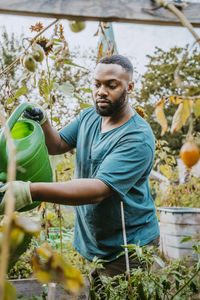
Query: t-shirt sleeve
[
  {"x": 128, "y": 165},
  {"x": 69, "y": 132}
]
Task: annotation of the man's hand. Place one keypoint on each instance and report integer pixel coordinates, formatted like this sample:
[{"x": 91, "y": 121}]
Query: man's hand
[
  {"x": 36, "y": 113},
  {"x": 21, "y": 191}
]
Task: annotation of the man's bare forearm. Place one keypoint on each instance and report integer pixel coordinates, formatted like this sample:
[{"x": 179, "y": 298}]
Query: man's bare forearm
[
  {"x": 75, "y": 192},
  {"x": 55, "y": 144}
]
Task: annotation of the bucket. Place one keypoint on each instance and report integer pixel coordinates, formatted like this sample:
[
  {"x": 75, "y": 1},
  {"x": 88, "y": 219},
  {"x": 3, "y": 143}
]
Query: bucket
[
  {"x": 177, "y": 223},
  {"x": 31, "y": 153}
]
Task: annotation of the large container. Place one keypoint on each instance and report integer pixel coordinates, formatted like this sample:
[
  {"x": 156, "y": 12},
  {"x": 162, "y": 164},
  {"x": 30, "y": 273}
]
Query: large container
[
  {"x": 31, "y": 153},
  {"x": 175, "y": 224}
]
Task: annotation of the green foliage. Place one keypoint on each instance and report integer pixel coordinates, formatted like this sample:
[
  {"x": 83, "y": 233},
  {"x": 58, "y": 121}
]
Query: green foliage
[
  {"x": 158, "y": 81},
  {"x": 164, "y": 155},
  {"x": 21, "y": 269},
  {"x": 67, "y": 232},
  {"x": 61, "y": 82},
  {"x": 157, "y": 280},
  {"x": 184, "y": 195},
  {"x": 172, "y": 193},
  {"x": 23, "y": 246},
  {"x": 10, "y": 48}
]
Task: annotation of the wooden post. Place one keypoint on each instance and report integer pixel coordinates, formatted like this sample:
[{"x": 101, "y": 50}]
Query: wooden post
[{"x": 129, "y": 11}]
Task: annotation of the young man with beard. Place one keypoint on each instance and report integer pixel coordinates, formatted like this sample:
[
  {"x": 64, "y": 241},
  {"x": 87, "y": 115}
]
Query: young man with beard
[{"x": 114, "y": 157}]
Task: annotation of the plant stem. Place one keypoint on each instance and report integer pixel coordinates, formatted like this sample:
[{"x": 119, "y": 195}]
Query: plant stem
[
  {"x": 9, "y": 207},
  {"x": 31, "y": 42},
  {"x": 190, "y": 130},
  {"x": 187, "y": 282},
  {"x": 60, "y": 219},
  {"x": 126, "y": 249},
  {"x": 50, "y": 96},
  {"x": 60, "y": 227},
  {"x": 45, "y": 221}
]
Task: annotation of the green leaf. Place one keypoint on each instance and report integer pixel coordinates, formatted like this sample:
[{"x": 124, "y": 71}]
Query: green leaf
[
  {"x": 65, "y": 88},
  {"x": 45, "y": 89},
  {"x": 141, "y": 292},
  {"x": 93, "y": 295},
  {"x": 86, "y": 90},
  {"x": 56, "y": 41},
  {"x": 139, "y": 251},
  {"x": 69, "y": 62},
  {"x": 84, "y": 105},
  {"x": 186, "y": 239},
  {"x": 21, "y": 91},
  {"x": 159, "y": 261},
  {"x": 56, "y": 119},
  {"x": 196, "y": 108},
  {"x": 10, "y": 100},
  {"x": 53, "y": 57}
]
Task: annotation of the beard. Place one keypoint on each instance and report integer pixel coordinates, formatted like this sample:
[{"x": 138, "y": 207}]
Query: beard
[{"x": 112, "y": 107}]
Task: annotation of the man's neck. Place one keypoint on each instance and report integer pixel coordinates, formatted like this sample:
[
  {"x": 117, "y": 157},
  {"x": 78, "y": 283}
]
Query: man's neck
[{"x": 117, "y": 120}]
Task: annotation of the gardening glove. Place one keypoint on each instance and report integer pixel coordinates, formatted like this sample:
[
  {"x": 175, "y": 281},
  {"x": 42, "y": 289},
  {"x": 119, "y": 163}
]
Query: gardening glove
[
  {"x": 36, "y": 113},
  {"x": 21, "y": 191}
]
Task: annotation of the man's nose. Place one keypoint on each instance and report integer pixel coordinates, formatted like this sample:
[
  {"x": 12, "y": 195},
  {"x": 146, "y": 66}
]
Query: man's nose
[{"x": 102, "y": 90}]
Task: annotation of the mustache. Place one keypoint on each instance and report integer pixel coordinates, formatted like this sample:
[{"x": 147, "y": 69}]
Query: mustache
[{"x": 105, "y": 100}]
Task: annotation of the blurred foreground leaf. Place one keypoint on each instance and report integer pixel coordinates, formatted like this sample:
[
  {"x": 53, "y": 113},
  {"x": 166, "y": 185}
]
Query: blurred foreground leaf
[
  {"x": 49, "y": 266},
  {"x": 22, "y": 231},
  {"x": 10, "y": 292},
  {"x": 160, "y": 116}
]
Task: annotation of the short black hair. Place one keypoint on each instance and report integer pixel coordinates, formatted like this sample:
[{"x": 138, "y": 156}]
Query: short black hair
[{"x": 121, "y": 60}]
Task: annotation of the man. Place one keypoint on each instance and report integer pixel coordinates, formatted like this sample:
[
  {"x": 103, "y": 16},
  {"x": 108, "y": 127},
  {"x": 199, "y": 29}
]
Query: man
[{"x": 114, "y": 157}]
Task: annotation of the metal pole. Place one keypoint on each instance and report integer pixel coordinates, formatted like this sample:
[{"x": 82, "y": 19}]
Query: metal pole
[
  {"x": 125, "y": 240},
  {"x": 51, "y": 291},
  {"x": 126, "y": 249}
]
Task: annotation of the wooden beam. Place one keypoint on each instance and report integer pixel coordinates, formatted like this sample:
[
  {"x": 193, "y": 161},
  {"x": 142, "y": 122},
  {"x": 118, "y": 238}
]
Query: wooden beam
[{"x": 129, "y": 11}]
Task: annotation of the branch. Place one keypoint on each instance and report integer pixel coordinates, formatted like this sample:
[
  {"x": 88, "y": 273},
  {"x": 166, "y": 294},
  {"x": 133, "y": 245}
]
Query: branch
[
  {"x": 177, "y": 78},
  {"x": 31, "y": 42},
  {"x": 180, "y": 16},
  {"x": 193, "y": 98}
]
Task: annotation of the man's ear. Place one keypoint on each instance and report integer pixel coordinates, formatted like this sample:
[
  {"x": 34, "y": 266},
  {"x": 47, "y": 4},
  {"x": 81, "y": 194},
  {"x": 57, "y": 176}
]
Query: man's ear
[{"x": 130, "y": 87}]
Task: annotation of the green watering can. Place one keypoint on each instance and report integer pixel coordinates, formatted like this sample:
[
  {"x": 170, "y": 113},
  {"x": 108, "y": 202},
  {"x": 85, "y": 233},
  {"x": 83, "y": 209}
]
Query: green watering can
[{"x": 31, "y": 153}]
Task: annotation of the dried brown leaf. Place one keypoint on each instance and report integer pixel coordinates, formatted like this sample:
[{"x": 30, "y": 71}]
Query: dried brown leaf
[
  {"x": 196, "y": 108},
  {"x": 160, "y": 116},
  {"x": 175, "y": 99},
  {"x": 181, "y": 115}
]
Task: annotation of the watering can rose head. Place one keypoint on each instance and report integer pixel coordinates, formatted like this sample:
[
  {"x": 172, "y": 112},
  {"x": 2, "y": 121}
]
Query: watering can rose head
[{"x": 36, "y": 113}]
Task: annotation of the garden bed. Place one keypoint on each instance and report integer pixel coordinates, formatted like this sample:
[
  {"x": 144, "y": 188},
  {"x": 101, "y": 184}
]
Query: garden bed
[{"x": 31, "y": 287}]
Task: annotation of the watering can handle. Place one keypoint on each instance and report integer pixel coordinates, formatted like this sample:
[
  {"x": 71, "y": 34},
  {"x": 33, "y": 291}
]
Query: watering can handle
[
  {"x": 16, "y": 114},
  {"x": 10, "y": 123}
]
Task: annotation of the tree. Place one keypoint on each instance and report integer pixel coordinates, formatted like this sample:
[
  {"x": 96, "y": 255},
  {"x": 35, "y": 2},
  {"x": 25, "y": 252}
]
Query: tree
[{"x": 160, "y": 80}]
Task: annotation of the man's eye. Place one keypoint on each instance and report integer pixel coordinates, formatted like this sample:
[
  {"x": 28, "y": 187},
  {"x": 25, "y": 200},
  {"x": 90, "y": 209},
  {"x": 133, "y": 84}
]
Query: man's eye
[{"x": 112, "y": 87}]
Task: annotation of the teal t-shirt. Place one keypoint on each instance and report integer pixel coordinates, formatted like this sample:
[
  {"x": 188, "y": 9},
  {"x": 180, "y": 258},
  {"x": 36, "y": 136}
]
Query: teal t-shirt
[{"x": 122, "y": 158}]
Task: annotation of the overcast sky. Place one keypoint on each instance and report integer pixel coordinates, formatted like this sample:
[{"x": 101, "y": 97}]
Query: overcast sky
[{"x": 133, "y": 40}]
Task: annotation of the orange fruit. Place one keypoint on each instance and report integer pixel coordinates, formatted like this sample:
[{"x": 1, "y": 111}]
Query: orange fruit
[{"x": 190, "y": 154}]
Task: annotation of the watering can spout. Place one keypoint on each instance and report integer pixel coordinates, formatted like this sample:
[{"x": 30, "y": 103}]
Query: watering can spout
[{"x": 31, "y": 153}]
